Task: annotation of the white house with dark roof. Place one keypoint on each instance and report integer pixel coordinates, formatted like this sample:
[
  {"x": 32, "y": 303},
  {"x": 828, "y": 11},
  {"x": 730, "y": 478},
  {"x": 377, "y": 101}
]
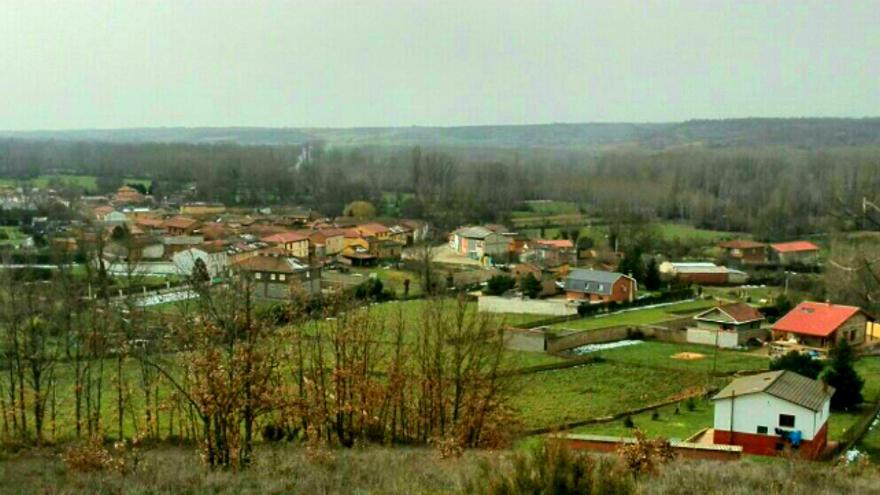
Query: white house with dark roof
[{"x": 772, "y": 412}]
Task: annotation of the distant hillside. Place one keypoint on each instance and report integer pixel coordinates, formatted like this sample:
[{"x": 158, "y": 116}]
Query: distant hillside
[{"x": 799, "y": 133}]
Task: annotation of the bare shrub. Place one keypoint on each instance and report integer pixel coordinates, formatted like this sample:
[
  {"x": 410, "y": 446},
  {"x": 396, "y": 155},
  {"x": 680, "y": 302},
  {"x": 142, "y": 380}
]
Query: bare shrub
[{"x": 645, "y": 455}]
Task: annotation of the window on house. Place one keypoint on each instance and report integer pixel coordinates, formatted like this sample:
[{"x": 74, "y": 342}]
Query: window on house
[
  {"x": 762, "y": 430},
  {"x": 786, "y": 420},
  {"x": 852, "y": 336},
  {"x": 258, "y": 275},
  {"x": 272, "y": 277},
  {"x": 281, "y": 277}
]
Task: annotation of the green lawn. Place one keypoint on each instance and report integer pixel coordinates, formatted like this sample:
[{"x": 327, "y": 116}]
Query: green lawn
[
  {"x": 659, "y": 355},
  {"x": 689, "y": 233},
  {"x": 551, "y": 398},
  {"x": 669, "y": 423},
  {"x": 87, "y": 182},
  {"x": 637, "y": 316},
  {"x": 393, "y": 279}
]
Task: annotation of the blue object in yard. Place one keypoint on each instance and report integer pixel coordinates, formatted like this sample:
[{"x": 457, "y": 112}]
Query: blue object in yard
[{"x": 795, "y": 437}]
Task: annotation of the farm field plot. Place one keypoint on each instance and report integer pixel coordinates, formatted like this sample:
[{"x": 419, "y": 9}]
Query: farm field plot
[
  {"x": 645, "y": 316},
  {"x": 666, "y": 355},
  {"x": 554, "y": 397}
]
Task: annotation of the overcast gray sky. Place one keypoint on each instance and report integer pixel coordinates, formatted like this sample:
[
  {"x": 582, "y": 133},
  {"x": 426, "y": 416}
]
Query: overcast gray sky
[{"x": 103, "y": 64}]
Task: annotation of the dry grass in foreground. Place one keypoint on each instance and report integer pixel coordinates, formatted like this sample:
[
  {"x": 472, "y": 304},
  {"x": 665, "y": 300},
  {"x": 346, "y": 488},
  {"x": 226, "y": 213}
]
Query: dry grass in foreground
[{"x": 378, "y": 470}]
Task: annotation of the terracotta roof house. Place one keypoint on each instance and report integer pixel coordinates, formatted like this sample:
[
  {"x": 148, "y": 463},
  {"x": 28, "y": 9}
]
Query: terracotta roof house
[
  {"x": 744, "y": 252},
  {"x": 374, "y": 230},
  {"x": 181, "y": 225},
  {"x": 149, "y": 223},
  {"x": 795, "y": 252},
  {"x": 128, "y": 195},
  {"x": 771, "y": 413},
  {"x": 817, "y": 326},
  {"x": 296, "y": 243},
  {"x": 327, "y": 242},
  {"x": 596, "y": 286}
]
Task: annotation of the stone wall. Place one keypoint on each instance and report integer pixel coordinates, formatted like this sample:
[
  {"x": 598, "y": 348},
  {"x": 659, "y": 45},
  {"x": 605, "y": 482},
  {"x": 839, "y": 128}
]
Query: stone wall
[
  {"x": 549, "y": 307},
  {"x": 525, "y": 340}
]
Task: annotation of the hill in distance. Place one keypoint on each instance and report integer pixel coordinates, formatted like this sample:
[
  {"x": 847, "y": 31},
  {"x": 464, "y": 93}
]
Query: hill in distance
[{"x": 754, "y": 132}]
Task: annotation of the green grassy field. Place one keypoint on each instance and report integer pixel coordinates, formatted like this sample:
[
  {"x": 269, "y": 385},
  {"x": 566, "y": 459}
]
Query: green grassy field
[
  {"x": 660, "y": 355},
  {"x": 669, "y": 423},
  {"x": 637, "y": 316},
  {"x": 554, "y": 397},
  {"x": 689, "y": 233},
  {"x": 393, "y": 279},
  {"x": 87, "y": 182}
]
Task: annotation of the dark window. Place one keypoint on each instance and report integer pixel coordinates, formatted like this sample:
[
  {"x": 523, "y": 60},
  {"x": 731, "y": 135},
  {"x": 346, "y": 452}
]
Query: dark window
[
  {"x": 786, "y": 420},
  {"x": 762, "y": 430}
]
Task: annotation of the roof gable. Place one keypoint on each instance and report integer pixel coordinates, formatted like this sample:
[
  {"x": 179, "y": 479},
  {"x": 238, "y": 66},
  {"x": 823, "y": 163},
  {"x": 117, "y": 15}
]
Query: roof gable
[
  {"x": 731, "y": 313},
  {"x": 786, "y": 385}
]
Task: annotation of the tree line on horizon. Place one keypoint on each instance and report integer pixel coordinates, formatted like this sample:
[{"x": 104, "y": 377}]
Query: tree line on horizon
[{"x": 772, "y": 193}]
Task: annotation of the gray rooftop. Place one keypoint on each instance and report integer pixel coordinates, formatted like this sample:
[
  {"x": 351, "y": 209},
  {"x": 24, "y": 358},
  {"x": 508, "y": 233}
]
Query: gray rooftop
[
  {"x": 591, "y": 281},
  {"x": 786, "y": 385},
  {"x": 474, "y": 232}
]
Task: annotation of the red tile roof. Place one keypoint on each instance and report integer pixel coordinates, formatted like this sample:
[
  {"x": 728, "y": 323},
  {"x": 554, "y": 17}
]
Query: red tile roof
[
  {"x": 814, "y": 318},
  {"x": 285, "y": 237},
  {"x": 372, "y": 228},
  {"x": 555, "y": 243},
  {"x": 741, "y": 244},
  {"x": 794, "y": 246},
  {"x": 181, "y": 222}
]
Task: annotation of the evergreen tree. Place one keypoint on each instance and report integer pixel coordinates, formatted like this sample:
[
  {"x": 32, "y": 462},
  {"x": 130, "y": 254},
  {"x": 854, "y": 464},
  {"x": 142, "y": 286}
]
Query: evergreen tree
[
  {"x": 530, "y": 285},
  {"x": 801, "y": 364},
  {"x": 841, "y": 375},
  {"x": 632, "y": 265},
  {"x": 652, "y": 275}
]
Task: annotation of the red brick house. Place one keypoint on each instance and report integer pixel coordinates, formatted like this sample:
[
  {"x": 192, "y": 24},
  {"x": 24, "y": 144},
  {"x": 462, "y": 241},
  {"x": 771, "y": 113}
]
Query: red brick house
[
  {"x": 744, "y": 251},
  {"x": 771, "y": 413},
  {"x": 596, "y": 286}
]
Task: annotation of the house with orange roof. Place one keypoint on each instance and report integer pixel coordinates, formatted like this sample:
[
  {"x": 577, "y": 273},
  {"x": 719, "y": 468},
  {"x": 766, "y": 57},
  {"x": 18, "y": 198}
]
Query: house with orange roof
[
  {"x": 128, "y": 195},
  {"x": 819, "y": 326},
  {"x": 294, "y": 242},
  {"x": 794, "y": 252},
  {"x": 327, "y": 242},
  {"x": 181, "y": 225},
  {"x": 376, "y": 230}
]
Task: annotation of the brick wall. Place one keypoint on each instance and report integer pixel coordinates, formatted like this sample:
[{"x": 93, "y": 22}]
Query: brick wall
[{"x": 685, "y": 450}]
